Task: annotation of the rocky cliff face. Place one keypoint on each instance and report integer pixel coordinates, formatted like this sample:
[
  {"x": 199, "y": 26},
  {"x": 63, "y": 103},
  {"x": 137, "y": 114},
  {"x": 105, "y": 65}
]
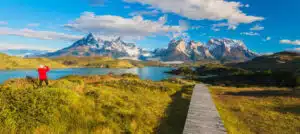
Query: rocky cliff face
[
  {"x": 229, "y": 49},
  {"x": 218, "y": 49},
  {"x": 92, "y": 46}
]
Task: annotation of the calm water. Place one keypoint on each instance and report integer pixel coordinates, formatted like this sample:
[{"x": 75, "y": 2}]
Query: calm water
[{"x": 152, "y": 73}]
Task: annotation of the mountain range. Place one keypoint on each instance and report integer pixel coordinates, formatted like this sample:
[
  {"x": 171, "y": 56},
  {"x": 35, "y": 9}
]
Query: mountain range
[
  {"x": 23, "y": 52},
  {"x": 178, "y": 50}
]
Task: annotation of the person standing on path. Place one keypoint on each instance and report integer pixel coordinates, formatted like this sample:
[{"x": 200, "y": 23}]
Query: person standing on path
[{"x": 42, "y": 70}]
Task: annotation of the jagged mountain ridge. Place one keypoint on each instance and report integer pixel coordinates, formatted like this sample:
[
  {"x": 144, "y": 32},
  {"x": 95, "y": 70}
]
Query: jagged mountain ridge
[
  {"x": 218, "y": 49},
  {"x": 92, "y": 46},
  {"x": 177, "y": 50}
]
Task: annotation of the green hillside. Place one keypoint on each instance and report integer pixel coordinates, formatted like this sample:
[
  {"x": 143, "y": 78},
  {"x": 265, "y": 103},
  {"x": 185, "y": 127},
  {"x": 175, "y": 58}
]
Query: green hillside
[
  {"x": 95, "y": 62},
  {"x": 95, "y": 104},
  {"x": 12, "y": 62},
  {"x": 283, "y": 61}
]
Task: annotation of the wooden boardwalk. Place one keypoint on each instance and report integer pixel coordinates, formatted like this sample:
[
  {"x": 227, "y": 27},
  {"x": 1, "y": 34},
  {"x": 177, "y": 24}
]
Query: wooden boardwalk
[{"x": 203, "y": 117}]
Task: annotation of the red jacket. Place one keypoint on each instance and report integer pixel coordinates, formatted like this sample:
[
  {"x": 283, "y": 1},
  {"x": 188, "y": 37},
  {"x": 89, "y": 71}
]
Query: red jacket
[{"x": 43, "y": 72}]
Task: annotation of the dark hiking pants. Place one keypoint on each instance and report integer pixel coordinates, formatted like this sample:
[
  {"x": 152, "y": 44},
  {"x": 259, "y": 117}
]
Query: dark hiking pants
[{"x": 41, "y": 82}]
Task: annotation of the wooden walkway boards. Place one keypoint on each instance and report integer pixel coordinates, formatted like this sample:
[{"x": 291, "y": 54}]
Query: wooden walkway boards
[{"x": 203, "y": 117}]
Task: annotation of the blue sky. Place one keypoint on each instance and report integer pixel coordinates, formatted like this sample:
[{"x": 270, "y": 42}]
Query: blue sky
[{"x": 264, "y": 25}]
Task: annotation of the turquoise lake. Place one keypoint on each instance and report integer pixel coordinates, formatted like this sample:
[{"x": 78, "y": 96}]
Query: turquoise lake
[{"x": 151, "y": 73}]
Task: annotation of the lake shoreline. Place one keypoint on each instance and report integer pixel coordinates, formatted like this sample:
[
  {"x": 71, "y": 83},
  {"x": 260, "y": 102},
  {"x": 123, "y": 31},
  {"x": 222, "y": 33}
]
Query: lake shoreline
[{"x": 152, "y": 73}]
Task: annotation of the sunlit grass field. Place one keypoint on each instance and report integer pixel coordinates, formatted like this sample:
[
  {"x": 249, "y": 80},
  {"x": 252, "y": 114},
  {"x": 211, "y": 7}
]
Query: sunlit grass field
[
  {"x": 12, "y": 62},
  {"x": 95, "y": 104},
  {"x": 258, "y": 110}
]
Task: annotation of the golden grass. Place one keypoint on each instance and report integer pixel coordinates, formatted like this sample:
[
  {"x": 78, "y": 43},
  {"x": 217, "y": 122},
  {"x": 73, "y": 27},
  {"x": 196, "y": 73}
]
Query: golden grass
[
  {"x": 96, "y": 62},
  {"x": 94, "y": 104},
  {"x": 12, "y": 62},
  {"x": 258, "y": 110}
]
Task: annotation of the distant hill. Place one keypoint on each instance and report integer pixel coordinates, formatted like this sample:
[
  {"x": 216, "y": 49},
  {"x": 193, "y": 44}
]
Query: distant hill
[
  {"x": 12, "y": 62},
  {"x": 282, "y": 61},
  {"x": 95, "y": 61},
  {"x": 22, "y": 52}
]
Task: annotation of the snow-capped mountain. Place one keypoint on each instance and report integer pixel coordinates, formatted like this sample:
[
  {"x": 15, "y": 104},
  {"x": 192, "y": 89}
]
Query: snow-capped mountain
[
  {"x": 198, "y": 51},
  {"x": 229, "y": 49},
  {"x": 218, "y": 49},
  {"x": 177, "y": 50},
  {"x": 93, "y": 46}
]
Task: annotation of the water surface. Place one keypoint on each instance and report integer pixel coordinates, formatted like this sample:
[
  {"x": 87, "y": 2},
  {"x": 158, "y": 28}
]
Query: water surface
[{"x": 152, "y": 73}]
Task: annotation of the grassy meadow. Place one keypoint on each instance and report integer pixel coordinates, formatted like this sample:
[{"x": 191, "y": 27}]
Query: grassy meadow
[
  {"x": 12, "y": 62},
  {"x": 265, "y": 110},
  {"x": 108, "y": 104},
  {"x": 261, "y": 96}
]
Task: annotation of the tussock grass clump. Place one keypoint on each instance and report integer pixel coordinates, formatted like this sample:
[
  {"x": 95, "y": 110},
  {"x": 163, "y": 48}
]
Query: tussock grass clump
[
  {"x": 93, "y": 104},
  {"x": 258, "y": 109}
]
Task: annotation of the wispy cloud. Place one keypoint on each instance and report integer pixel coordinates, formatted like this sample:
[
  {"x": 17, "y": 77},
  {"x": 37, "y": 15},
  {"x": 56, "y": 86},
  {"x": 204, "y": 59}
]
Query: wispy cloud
[
  {"x": 290, "y": 42},
  {"x": 250, "y": 33},
  {"x": 110, "y": 25},
  {"x": 203, "y": 9},
  {"x": 145, "y": 13},
  {"x": 267, "y": 39},
  {"x": 218, "y": 26},
  {"x": 3, "y": 23},
  {"x": 44, "y": 35},
  {"x": 5, "y": 46},
  {"x": 33, "y": 24},
  {"x": 184, "y": 24},
  {"x": 257, "y": 28}
]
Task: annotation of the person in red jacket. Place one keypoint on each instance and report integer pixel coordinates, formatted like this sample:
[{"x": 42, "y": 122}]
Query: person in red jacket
[{"x": 42, "y": 70}]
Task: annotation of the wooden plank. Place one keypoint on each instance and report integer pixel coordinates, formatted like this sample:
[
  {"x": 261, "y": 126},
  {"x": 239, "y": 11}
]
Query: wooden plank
[{"x": 203, "y": 117}]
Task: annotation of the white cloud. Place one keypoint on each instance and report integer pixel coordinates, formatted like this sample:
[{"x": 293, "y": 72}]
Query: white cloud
[
  {"x": 250, "y": 34},
  {"x": 185, "y": 25},
  {"x": 110, "y": 25},
  {"x": 203, "y": 9},
  {"x": 142, "y": 13},
  {"x": 33, "y": 25},
  {"x": 291, "y": 42},
  {"x": 247, "y": 5},
  {"x": 45, "y": 35},
  {"x": 216, "y": 27},
  {"x": 268, "y": 38},
  {"x": 3, "y": 23},
  {"x": 5, "y": 46},
  {"x": 257, "y": 28}
]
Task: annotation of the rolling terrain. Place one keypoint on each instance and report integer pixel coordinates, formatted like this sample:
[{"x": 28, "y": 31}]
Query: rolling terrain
[
  {"x": 282, "y": 61},
  {"x": 12, "y": 62},
  {"x": 95, "y": 104}
]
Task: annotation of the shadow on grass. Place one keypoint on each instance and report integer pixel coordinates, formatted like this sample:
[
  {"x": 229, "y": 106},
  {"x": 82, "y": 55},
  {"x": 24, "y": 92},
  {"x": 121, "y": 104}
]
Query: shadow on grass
[
  {"x": 176, "y": 112},
  {"x": 294, "y": 109},
  {"x": 264, "y": 93}
]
